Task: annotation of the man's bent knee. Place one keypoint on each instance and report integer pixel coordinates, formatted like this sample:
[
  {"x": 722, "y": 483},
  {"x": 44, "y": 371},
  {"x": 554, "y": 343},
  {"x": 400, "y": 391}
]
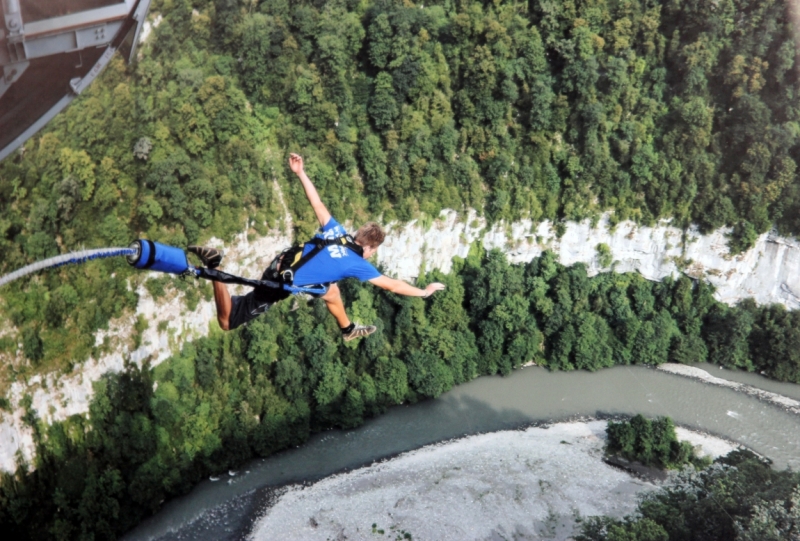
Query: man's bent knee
[
  {"x": 333, "y": 294},
  {"x": 223, "y": 323}
]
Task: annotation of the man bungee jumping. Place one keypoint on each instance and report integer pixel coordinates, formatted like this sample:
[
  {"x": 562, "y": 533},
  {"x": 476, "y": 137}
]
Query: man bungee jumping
[{"x": 330, "y": 256}]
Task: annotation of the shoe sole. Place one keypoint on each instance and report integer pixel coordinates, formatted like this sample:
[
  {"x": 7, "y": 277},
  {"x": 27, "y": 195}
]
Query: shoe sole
[
  {"x": 211, "y": 257},
  {"x": 366, "y": 332}
]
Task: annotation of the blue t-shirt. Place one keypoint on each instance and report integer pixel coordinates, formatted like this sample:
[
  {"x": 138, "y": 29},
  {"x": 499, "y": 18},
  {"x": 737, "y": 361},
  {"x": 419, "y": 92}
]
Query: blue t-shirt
[{"x": 333, "y": 262}]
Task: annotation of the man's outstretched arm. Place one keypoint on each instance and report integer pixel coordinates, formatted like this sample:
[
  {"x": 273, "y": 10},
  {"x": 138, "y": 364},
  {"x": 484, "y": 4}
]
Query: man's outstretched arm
[
  {"x": 402, "y": 288},
  {"x": 296, "y": 165}
]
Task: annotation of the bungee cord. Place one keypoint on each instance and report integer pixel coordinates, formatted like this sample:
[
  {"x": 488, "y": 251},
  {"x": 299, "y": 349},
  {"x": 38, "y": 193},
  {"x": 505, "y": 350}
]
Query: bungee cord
[
  {"x": 145, "y": 254},
  {"x": 71, "y": 258}
]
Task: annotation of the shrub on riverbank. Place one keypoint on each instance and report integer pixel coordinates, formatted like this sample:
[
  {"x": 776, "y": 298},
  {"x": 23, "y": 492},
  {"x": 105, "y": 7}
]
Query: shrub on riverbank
[
  {"x": 738, "y": 498},
  {"x": 652, "y": 443}
]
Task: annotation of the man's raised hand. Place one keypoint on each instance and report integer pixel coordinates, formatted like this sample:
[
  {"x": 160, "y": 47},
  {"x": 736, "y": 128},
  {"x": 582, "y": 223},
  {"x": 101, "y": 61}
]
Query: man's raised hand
[
  {"x": 296, "y": 163},
  {"x": 431, "y": 288}
]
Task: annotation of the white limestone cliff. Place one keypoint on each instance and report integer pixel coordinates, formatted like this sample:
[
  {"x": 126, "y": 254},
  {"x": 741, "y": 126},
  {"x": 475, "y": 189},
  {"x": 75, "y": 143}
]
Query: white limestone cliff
[{"x": 768, "y": 273}]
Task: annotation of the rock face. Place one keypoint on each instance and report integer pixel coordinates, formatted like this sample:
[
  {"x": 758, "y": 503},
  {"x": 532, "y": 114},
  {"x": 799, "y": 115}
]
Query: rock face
[{"x": 768, "y": 273}]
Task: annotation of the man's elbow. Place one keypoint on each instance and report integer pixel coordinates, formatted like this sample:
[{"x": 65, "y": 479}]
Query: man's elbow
[{"x": 392, "y": 286}]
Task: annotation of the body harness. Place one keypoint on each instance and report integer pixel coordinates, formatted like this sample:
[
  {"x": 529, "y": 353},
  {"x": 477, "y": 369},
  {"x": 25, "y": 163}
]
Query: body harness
[{"x": 280, "y": 276}]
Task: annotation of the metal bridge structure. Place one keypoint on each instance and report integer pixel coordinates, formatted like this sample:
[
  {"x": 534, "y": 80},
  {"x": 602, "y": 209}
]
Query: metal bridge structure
[{"x": 51, "y": 50}]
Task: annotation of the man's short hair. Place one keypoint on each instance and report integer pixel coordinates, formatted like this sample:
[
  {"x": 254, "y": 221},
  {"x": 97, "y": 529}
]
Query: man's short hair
[{"x": 370, "y": 235}]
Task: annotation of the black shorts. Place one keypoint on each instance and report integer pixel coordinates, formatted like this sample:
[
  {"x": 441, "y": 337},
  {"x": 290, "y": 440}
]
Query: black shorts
[{"x": 247, "y": 307}]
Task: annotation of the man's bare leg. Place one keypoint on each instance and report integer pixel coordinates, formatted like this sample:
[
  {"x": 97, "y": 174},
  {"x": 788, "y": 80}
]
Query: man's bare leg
[
  {"x": 211, "y": 258},
  {"x": 350, "y": 331},
  {"x": 333, "y": 300},
  {"x": 223, "y": 301}
]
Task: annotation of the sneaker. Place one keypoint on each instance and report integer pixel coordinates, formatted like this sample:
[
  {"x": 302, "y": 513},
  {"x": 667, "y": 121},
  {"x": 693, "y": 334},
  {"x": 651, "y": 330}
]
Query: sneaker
[
  {"x": 359, "y": 331},
  {"x": 211, "y": 257}
]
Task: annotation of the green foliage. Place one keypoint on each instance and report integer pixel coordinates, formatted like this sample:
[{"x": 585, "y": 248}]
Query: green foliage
[
  {"x": 773, "y": 343},
  {"x": 739, "y": 497},
  {"x": 604, "y": 255},
  {"x": 157, "y": 286},
  {"x": 139, "y": 327},
  {"x": 742, "y": 237},
  {"x": 628, "y": 529},
  {"x": 32, "y": 345},
  {"x": 653, "y": 443},
  {"x": 729, "y": 331}
]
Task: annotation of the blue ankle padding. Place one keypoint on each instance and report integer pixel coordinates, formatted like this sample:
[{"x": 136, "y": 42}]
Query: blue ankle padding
[{"x": 160, "y": 257}]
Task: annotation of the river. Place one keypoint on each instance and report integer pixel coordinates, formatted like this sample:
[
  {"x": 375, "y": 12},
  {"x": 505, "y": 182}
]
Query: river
[{"x": 228, "y": 507}]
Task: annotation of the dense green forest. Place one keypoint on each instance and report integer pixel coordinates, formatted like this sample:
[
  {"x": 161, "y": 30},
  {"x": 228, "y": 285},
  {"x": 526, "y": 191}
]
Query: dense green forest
[
  {"x": 548, "y": 110},
  {"x": 652, "y": 443},
  {"x": 154, "y": 433},
  {"x": 738, "y": 498}
]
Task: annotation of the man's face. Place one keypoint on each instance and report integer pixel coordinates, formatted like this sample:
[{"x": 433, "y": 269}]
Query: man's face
[{"x": 369, "y": 251}]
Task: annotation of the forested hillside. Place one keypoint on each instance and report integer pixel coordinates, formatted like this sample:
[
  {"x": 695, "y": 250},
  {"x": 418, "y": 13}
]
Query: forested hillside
[{"x": 558, "y": 110}]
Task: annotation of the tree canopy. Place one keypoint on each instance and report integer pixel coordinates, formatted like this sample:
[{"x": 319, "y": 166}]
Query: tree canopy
[{"x": 738, "y": 498}]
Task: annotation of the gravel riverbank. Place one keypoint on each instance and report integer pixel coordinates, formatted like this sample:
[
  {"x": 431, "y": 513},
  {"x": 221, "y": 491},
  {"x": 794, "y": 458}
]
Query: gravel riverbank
[
  {"x": 528, "y": 484},
  {"x": 789, "y": 404}
]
